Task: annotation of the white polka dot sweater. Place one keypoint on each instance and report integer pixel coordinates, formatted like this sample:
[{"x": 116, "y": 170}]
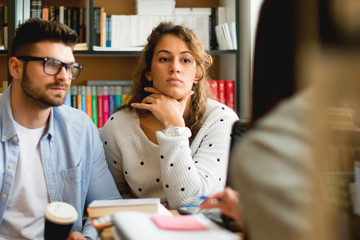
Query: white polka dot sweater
[{"x": 172, "y": 170}]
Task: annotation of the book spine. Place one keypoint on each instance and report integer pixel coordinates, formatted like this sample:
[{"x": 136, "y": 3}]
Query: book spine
[
  {"x": 36, "y": 9},
  {"x": 229, "y": 94},
  {"x": 45, "y": 13},
  {"x": 102, "y": 29},
  {"x": 108, "y": 31},
  {"x": 100, "y": 105},
  {"x": 73, "y": 92},
  {"x": 105, "y": 103},
  {"x": 118, "y": 96},
  {"x": 61, "y": 14},
  {"x": 83, "y": 98},
  {"x": 94, "y": 110},
  {"x": 52, "y": 13},
  {"x": 88, "y": 101},
  {"x": 221, "y": 91},
  {"x": 79, "y": 106},
  {"x": 111, "y": 100}
]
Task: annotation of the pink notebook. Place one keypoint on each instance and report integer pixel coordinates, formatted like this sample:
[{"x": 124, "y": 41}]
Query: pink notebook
[{"x": 180, "y": 223}]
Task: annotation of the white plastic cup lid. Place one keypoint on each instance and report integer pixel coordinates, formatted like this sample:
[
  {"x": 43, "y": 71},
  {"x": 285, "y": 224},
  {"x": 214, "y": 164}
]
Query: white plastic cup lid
[{"x": 61, "y": 213}]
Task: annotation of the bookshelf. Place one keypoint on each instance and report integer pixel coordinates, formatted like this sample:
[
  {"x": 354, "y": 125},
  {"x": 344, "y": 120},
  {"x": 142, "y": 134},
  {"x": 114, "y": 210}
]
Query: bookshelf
[{"x": 120, "y": 65}]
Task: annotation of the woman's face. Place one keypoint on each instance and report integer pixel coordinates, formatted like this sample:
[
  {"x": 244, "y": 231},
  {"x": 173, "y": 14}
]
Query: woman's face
[{"x": 173, "y": 68}]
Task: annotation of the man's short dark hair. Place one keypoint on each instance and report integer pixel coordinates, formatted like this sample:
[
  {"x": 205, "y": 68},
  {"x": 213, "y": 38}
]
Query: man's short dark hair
[{"x": 36, "y": 30}]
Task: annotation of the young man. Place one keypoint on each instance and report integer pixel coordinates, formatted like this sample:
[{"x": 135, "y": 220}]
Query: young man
[{"x": 49, "y": 152}]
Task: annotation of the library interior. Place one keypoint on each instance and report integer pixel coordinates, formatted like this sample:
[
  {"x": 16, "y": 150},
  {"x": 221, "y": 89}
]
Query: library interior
[{"x": 272, "y": 152}]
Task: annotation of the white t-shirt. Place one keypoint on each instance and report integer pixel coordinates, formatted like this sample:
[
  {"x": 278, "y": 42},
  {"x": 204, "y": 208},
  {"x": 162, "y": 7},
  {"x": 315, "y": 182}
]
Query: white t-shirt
[{"x": 24, "y": 216}]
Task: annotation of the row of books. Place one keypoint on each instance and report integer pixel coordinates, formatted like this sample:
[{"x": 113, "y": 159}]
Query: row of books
[
  {"x": 100, "y": 98},
  {"x": 74, "y": 17},
  {"x": 99, "y": 102},
  {"x": 130, "y": 32},
  {"x": 3, "y": 26},
  {"x": 223, "y": 91}
]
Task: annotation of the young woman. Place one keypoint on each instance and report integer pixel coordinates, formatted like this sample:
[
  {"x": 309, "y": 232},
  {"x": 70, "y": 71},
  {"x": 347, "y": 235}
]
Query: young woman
[{"x": 170, "y": 141}]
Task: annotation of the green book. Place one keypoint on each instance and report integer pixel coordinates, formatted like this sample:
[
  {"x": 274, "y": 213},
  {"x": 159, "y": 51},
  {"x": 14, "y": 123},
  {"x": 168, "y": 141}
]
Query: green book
[
  {"x": 94, "y": 106},
  {"x": 118, "y": 97}
]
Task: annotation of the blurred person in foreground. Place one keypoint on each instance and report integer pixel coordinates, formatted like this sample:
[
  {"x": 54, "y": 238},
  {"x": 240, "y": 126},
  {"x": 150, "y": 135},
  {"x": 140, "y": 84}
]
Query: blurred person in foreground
[{"x": 271, "y": 167}]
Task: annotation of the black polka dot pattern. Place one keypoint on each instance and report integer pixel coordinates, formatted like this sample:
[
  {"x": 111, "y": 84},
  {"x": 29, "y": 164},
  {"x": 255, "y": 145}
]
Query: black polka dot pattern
[
  {"x": 162, "y": 156},
  {"x": 218, "y": 159},
  {"x": 222, "y": 108},
  {"x": 189, "y": 168},
  {"x": 157, "y": 180},
  {"x": 171, "y": 164},
  {"x": 167, "y": 186},
  {"x": 210, "y": 145},
  {"x": 125, "y": 172},
  {"x": 221, "y": 120},
  {"x": 111, "y": 118},
  {"x": 115, "y": 162},
  {"x": 105, "y": 142},
  {"x": 141, "y": 163},
  {"x": 140, "y": 189},
  {"x": 182, "y": 189}
]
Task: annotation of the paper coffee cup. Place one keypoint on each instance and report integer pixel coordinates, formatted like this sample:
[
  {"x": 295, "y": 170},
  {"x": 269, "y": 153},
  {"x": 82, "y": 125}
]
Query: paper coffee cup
[{"x": 59, "y": 219}]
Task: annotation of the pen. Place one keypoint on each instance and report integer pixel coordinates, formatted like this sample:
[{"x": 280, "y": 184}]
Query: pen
[{"x": 196, "y": 203}]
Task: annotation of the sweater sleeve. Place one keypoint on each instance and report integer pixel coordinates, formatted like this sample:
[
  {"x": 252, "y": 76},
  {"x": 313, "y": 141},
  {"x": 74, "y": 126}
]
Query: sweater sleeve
[{"x": 201, "y": 169}]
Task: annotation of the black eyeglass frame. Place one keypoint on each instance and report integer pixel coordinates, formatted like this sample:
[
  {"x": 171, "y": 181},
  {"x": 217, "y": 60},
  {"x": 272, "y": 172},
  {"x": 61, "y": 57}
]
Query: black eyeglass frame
[{"x": 45, "y": 59}]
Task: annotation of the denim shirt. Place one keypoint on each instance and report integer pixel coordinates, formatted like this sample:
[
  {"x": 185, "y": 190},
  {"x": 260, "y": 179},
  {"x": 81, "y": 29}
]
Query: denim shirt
[{"x": 73, "y": 159}]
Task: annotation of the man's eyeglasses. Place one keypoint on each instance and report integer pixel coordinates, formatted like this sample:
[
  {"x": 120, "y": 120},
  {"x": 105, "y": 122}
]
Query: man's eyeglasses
[{"x": 53, "y": 66}]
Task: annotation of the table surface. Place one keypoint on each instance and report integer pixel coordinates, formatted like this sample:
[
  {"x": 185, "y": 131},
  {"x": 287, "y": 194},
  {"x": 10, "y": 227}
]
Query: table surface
[{"x": 106, "y": 234}]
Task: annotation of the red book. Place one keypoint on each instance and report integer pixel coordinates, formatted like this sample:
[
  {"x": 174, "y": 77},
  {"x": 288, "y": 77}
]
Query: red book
[
  {"x": 100, "y": 105},
  {"x": 229, "y": 94},
  {"x": 105, "y": 104},
  {"x": 221, "y": 91}
]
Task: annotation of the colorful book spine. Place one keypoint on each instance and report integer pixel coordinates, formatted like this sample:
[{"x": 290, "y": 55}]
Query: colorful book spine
[
  {"x": 88, "y": 102},
  {"x": 229, "y": 94},
  {"x": 99, "y": 98},
  {"x": 105, "y": 103},
  {"x": 118, "y": 96},
  {"x": 94, "y": 109},
  {"x": 45, "y": 13},
  {"x": 83, "y": 98},
  {"x": 79, "y": 104},
  {"x": 111, "y": 100}
]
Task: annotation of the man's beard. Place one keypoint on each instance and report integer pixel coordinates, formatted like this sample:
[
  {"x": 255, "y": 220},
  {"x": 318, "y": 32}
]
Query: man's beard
[{"x": 37, "y": 97}]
